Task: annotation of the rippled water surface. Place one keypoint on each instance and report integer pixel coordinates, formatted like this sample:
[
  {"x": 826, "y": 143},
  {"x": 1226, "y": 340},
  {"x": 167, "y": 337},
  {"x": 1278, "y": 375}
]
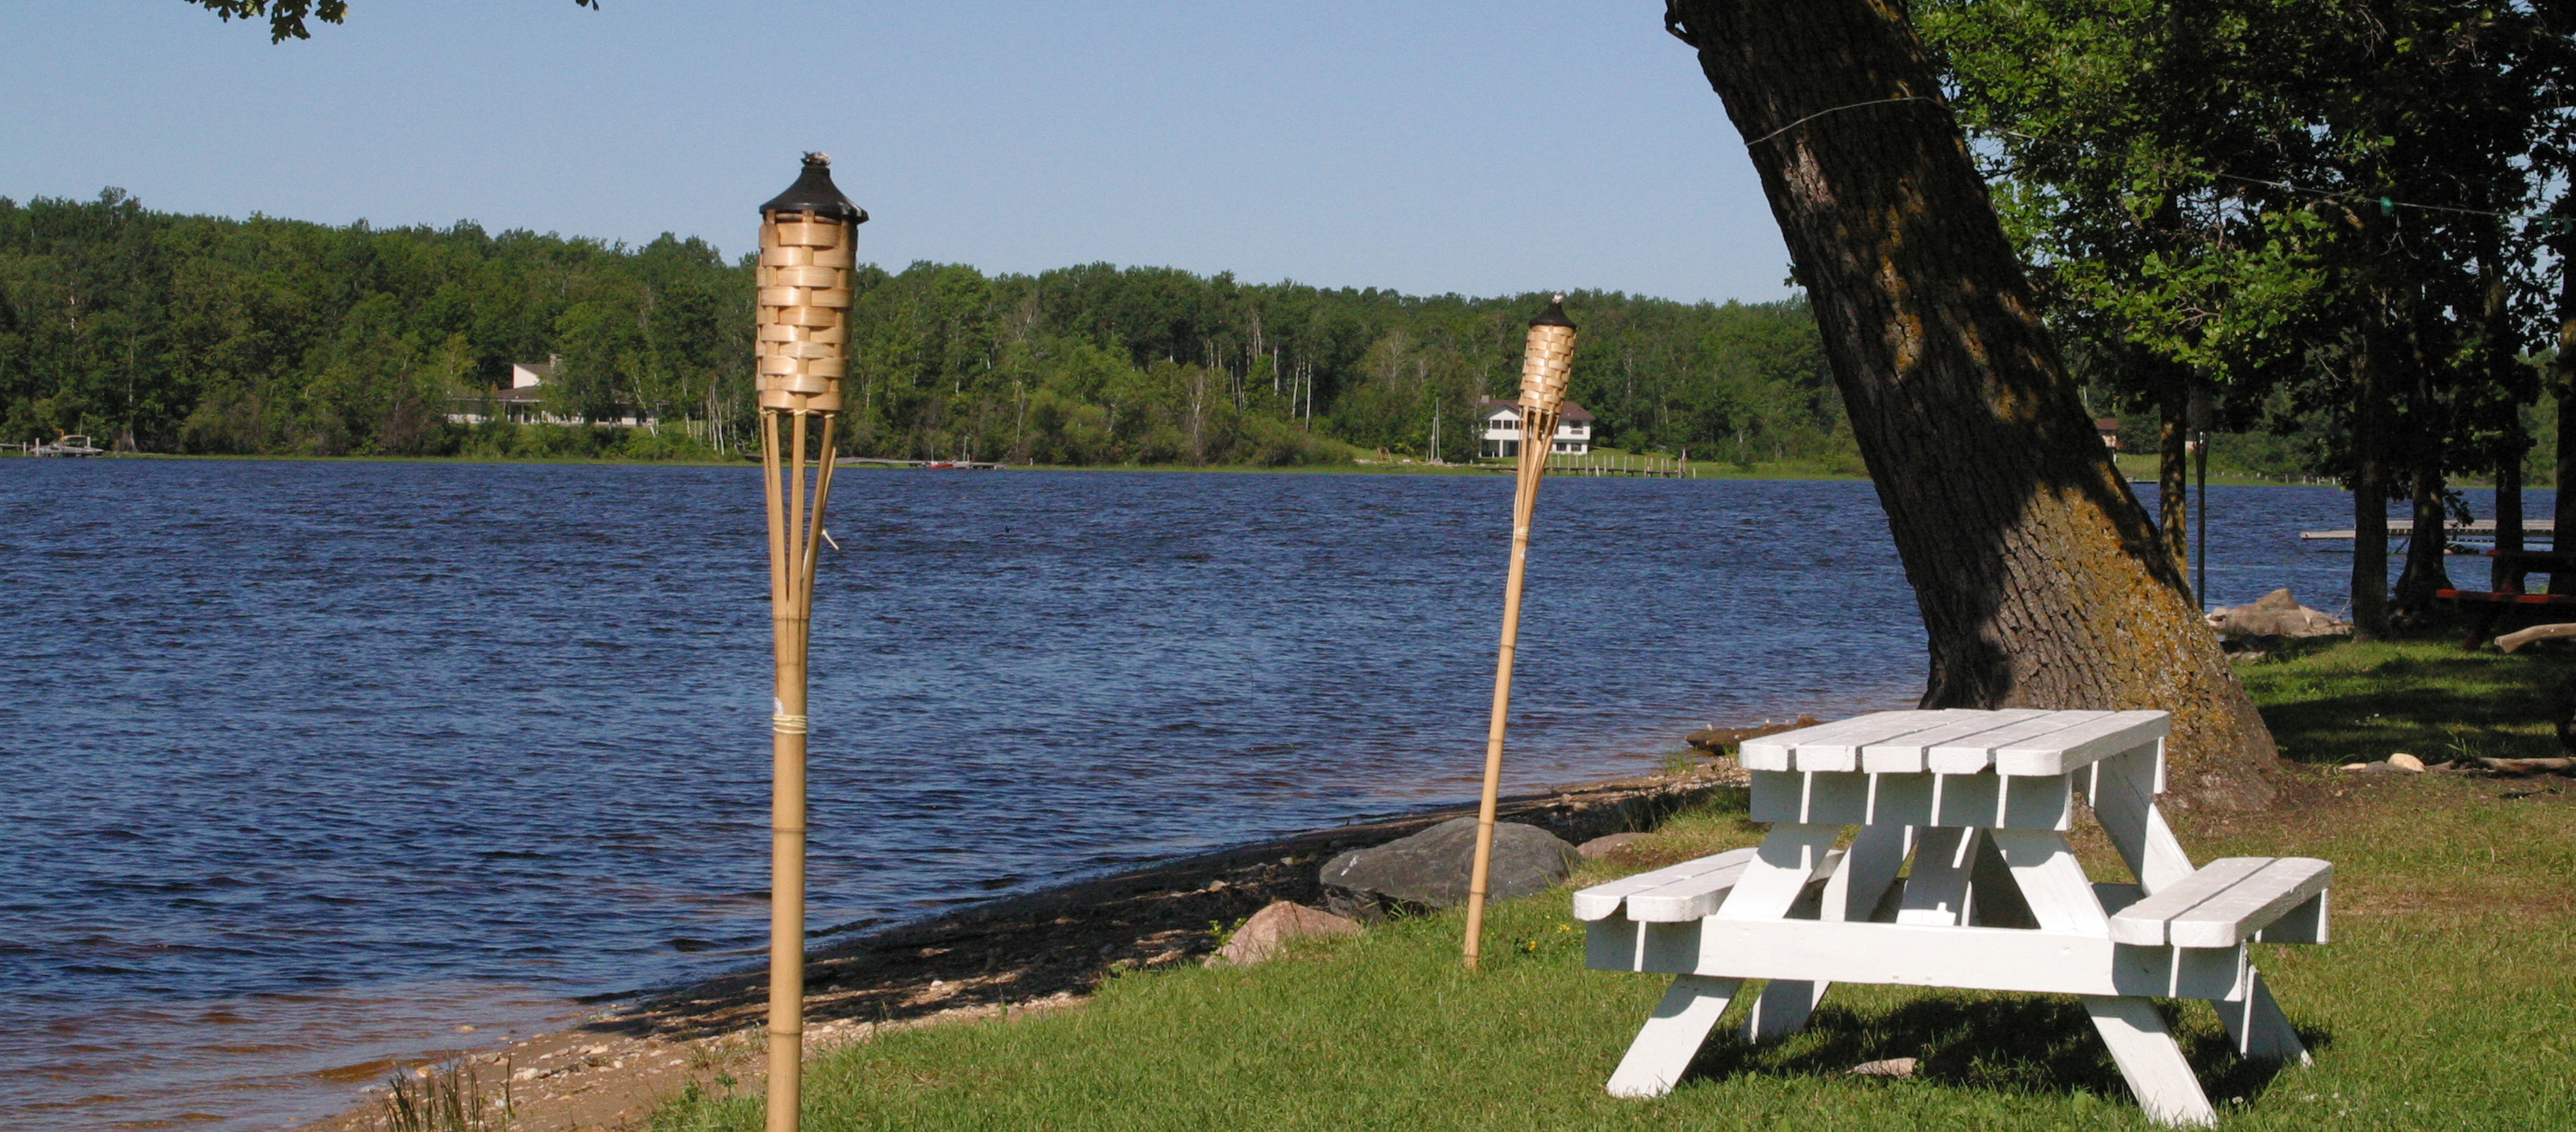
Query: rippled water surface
[{"x": 310, "y": 764}]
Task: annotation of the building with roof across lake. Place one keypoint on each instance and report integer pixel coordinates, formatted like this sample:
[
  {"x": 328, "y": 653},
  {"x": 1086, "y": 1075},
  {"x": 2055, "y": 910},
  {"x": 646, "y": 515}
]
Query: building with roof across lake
[
  {"x": 524, "y": 401},
  {"x": 1502, "y": 440}
]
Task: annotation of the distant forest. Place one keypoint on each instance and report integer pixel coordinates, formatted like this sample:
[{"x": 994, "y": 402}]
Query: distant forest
[{"x": 171, "y": 333}]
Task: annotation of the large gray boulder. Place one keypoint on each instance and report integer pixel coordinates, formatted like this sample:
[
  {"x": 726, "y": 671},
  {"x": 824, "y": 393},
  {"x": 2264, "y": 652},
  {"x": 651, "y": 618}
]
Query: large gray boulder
[
  {"x": 1431, "y": 869},
  {"x": 2276, "y": 614}
]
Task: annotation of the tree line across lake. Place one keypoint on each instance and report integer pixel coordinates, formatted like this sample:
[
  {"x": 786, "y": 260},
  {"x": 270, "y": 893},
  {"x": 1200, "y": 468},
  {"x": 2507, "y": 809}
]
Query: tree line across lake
[{"x": 199, "y": 334}]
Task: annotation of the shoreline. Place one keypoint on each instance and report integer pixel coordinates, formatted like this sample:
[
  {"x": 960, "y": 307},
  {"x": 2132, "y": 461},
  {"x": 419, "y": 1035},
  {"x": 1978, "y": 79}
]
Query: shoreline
[
  {"x": 1700, "y": 469},
  {"x": 1041, "y": 951}
]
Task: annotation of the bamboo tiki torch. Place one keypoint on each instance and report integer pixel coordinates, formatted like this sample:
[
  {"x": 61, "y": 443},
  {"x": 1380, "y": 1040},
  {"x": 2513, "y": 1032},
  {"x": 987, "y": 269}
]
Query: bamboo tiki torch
[
  {"x": 809, "y": 241},
  {"x": 1546, "y": 364}
]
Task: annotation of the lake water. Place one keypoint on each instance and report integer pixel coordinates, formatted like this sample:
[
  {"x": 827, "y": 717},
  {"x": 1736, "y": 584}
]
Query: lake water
[{"x": 310, "y": 764}]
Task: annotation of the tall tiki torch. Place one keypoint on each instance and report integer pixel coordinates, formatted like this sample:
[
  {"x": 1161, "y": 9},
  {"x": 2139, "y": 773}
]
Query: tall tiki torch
[
  {"x": 1547, "y": 362},
  {"x": 809, "y": 241}
]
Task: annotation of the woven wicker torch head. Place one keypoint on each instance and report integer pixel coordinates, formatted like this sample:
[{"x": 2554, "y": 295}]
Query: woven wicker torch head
[
  {"x": 809, "y": 241},
  {"x": 1547, "y": 363}
]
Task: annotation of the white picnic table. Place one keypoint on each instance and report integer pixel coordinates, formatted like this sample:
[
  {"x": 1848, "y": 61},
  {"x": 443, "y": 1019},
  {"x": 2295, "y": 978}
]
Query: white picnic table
[{"x": 1980, "y": 802}]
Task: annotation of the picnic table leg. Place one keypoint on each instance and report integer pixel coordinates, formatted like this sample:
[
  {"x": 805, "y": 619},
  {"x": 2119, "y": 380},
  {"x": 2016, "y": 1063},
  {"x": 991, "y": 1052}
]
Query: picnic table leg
[
  {"x": 1672, "y": 1036},
  {"x": 2482, "y": 625},
  {"x": 2124, "y": 801},
  {"x": 1877, "y": 852},
  {"x": 2258, "y": 1029},
  {"x": 1938, "y": 892},
  {"x": 2150, "y": 1061}
]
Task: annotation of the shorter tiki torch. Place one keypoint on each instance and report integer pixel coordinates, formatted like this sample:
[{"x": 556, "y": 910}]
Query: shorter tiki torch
[
  {"x": 809, "y": 241},
  {"x": 1547, "y": 362}
]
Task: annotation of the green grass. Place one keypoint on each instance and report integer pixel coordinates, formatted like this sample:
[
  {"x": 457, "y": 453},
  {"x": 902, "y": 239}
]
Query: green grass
[
  {"x": 2336, "y": 702},
  {"x": 2445, "y": 1001}
]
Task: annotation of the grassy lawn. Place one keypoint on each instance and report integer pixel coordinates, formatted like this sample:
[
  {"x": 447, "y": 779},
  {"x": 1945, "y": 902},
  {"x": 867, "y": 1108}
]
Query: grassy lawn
[{"x": 2446, "y": 999}]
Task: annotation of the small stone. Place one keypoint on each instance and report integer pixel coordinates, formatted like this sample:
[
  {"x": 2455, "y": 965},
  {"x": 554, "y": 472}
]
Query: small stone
[
  {"x": 1260, "y": 937},
  {"x": 2406, "y": 762},
  {"x": 465, "y": 1029},
  {"x": 2354, "y": 766},
  {"x": 524, "y": 1075},
  {"x": 1891, "y": 1067},
  {"x": 1600, "y": 847}
]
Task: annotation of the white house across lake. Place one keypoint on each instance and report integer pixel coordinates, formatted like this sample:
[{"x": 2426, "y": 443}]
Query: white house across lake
[
  {"x": 524, "y": 401},
  {"x": 1503, "y": 430}
]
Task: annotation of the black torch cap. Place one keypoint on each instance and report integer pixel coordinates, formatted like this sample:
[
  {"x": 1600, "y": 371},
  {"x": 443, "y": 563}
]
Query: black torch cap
[
  {"x": 1554, "y": 315},
  {"x": 814, "y": 192}
]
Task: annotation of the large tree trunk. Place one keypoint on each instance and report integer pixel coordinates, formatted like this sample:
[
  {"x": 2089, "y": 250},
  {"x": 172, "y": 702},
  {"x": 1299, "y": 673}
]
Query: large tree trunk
[
  {"x": 2042, "y": 581},
  {"x": 2563, "y": 476},
  {"x": 2173, "y": 460},
  {"x": 2499, "y": 349},
  {"x": 2425, "y": 571},
  {"x": 2371, "y": 364}
]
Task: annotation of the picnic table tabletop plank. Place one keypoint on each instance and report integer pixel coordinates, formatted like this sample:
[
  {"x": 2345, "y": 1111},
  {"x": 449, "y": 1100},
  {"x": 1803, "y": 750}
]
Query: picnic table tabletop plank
[
  {"x": 1906, "y": 754},
  {"x": 1841, "y": 751},
  {"x": 1973, "y": 753},
  {"x": 1776, "y": 752},
  {"x": 2082, "y": 743}
]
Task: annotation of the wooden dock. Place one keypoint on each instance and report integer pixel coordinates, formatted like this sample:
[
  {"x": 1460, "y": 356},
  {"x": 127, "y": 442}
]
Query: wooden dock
[
  {"x": 2475, "y": 529},
  {"x": 1595, "y": 464}
]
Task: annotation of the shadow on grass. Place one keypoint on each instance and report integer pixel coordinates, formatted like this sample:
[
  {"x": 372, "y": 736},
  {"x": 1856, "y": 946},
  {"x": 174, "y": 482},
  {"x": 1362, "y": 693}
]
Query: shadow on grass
[
  {"x": 2426, "y": 698},
  {"x": 2038, "y": 1044}
]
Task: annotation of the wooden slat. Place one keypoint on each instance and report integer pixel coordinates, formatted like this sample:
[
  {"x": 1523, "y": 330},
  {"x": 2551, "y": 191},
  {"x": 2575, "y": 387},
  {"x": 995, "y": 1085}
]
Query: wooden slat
[
  {"x": 2228, "y": 918},
  {"x": 1791, "y": 855},
  {"x": 1981, "y": 800},
  {"x": 2123, "y": 793},
  {"x": 2143, "y": 923},
  {"x": 1905, "y": 754},
  {"x": 2150, "y": 1061},
  {"x": 1936, "y": 894},
  {"x": 1841, "y": 752},
  {"x": 1968, "y": 958},
  {"x": 2043, "y": 865},
  {"x": 2083, "y": 743},
  {"x": 1672, "y": 1036},
  {"x": 1977, "y": 752},
  {"x": 1603, "y": 900},
  {"x": 1774, "y": 752}
]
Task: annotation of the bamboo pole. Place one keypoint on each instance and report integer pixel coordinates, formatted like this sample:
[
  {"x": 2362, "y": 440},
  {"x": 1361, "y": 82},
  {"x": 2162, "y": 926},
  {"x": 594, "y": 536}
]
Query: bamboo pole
[
  {"x": 808, "y": 244},
  {"x": 1546, "y": 364}
]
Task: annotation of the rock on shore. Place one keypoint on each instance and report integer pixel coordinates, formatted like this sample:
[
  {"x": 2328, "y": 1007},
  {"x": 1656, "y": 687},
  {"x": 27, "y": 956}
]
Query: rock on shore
[
  {"x": 2276, "y": 614},
  {"x": 1431, "y": 869}
]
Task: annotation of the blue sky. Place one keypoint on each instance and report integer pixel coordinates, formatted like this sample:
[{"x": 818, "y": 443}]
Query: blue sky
[{"x": 1482, "y": 148}]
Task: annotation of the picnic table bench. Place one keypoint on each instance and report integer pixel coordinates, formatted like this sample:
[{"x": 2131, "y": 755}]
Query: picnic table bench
[
  {"x": 2491, "y": 606},
  {"x": 1980, "y": 802}
]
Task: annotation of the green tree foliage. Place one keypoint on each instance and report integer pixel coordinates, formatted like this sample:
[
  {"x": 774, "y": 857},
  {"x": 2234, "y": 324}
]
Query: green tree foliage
[
  {"x": 2330, "y": 212},
  {"x": 199, "y": 334},
  {"x": 286, "y": 17}
]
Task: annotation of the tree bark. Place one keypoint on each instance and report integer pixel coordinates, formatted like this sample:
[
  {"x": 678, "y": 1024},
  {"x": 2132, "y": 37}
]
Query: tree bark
[
  {"x": 2173, "y": 462},
  {"x": 2041, "y": 581},
  {"x": 2497, "y": 344},
  {"x": 2371, "y": 363},
  {"x": 2425, "y": 570},
  {"x": 2564, "y": 475}
]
